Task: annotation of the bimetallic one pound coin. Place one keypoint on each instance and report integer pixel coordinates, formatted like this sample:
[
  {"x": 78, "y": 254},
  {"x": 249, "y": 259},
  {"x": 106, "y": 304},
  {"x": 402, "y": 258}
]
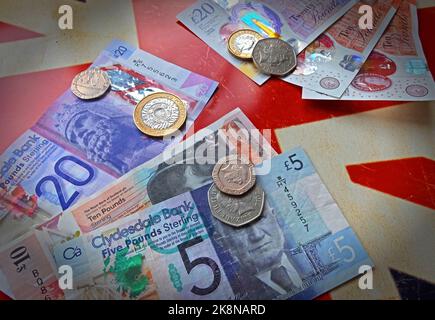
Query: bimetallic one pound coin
[
  {"x": 236, "y": 211},
  {"x": 242, "y": 42},
  {"x": 160, "y": 114},
  {"x": 274, "y": 56},
  {"x": 232, "y": 175},
  {"x": 90, "y": 84}
]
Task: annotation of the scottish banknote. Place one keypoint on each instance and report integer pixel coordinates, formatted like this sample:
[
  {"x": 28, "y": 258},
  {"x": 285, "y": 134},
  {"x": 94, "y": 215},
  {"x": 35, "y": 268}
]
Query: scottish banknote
[
  {"x": 299, "y": 248},
  {"x": 26, "y": 270},
  {"x": 331, "y": 62},
  {"x": 184, "y": 167},
  {"x": 298, "y": 22},
  {"x": 179, "y": 169},
  {"x": 78, "y": 147},
  {"x": 396, "y": 69}
]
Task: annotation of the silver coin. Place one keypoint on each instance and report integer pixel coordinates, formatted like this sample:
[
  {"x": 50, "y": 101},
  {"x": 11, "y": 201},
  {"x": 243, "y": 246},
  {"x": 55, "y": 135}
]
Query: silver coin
[
  {"x": 90, "y": 84},
  {"x": 236, "y": 211},
  {"x": 274, "y": 56},
  {"x": 233, "y": 176}
]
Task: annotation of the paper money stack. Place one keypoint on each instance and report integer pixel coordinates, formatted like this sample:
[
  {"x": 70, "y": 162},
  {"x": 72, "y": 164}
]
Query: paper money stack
[
  {"x": 103, "y": 185},
  {"x": 339, "y": 56}
]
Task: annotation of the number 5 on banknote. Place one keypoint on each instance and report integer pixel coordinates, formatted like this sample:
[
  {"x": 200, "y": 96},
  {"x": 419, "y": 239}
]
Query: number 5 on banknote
[
  {"x": 297, "y": 164},
  {"x": 342, "y": 249},
  {"x": 190, "y": 265}
]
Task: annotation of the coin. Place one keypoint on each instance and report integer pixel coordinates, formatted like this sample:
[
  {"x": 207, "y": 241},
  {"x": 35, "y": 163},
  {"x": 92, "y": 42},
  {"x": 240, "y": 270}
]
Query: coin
[
  {"x": 233, "y": 176},
  {"x": 236, "y": 210},
  {"x": 274, "y": 56},
  {"x": 242, "y": 42},
  {"x": 160, "y": 114},
  {"x": 90, "y": 84}
]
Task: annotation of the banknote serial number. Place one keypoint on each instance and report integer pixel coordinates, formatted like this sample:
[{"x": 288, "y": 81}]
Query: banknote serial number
[{"x": 293, "y": 163}]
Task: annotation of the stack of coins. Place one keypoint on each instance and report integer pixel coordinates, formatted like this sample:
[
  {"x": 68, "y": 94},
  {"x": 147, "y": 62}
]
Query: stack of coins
[
  {"x": 235, "y": 198},
  {"x": 271, "y": 56}
]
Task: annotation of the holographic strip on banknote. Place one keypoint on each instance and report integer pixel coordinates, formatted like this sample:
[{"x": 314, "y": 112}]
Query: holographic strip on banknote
[
  {"x": 397, "y": 68},
  {"x": 331, "y": 62},
  {"x": 301, "y": 247},
  {"x": 77, "y": 147},
  {"x": 297, "y": 22}
]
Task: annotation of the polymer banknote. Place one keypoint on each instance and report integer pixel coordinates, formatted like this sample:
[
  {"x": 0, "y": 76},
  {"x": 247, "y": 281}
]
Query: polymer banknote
[
  {"x": 301, "y": 246},
  {"x": 179, "y": 169},
  {"x": 334, "y": 59},
  {"x": 184, "y": 167},
  {"x": 78, "y": 147},
  {"x": 397, "y": 68},
  {"x": 297, "y": 22}
]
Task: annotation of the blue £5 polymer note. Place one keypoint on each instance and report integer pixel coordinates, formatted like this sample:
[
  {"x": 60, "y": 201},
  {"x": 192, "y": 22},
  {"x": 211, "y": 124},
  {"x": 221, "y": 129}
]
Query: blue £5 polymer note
[{"x": 300, "y": 247}]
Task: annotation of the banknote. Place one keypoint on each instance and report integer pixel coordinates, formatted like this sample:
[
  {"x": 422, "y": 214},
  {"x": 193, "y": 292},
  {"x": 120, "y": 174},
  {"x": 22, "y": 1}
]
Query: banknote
[
  {"x": 27, "y": 272},
  {"x": 396, "y": 69},
  {"x": 334, "y": 59},
  {"x": 78, "y": 147},
  {"x": 301, "y": 246},
  {"x": 179, "y": 169},
  {"x": 184, "y": 167},
  {"x": 298, "y": 22}
]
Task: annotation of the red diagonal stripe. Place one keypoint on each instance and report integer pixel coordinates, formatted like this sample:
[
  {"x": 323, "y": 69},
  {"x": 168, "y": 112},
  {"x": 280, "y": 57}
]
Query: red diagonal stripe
[
  {"x": 9, "y": 32},
  {"x": 24, "y": 98},
  {"x": 411, "y": 179}
]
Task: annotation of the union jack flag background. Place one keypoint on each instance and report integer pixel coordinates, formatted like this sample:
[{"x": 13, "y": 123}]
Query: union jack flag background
[{"x": 377, "y": 158}]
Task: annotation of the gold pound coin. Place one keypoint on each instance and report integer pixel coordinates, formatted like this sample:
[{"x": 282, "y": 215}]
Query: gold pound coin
[
  {"x": 242, "y": 42},
  {"x": 160, "y": 114}
]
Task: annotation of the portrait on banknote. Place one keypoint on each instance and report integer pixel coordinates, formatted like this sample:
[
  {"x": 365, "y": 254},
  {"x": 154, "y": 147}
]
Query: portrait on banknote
[{"x": 267, "y": 267}]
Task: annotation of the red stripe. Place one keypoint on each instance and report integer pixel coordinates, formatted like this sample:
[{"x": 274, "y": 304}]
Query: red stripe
[
  {"x": 411, "y": 179},
  {"x": 9, "y": 32}
]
